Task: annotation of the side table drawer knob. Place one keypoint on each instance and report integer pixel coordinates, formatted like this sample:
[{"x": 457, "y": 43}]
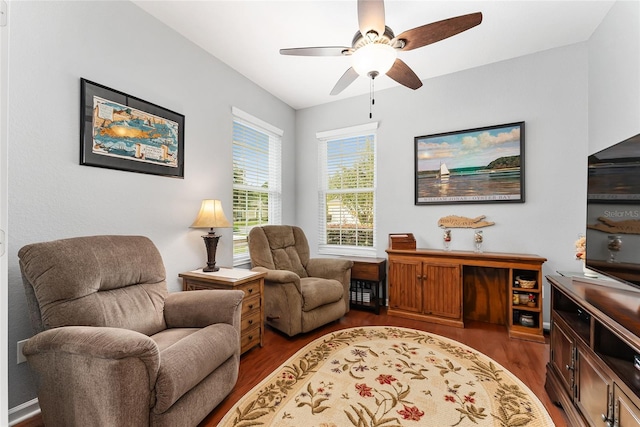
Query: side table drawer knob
[{"x": 250, "y": 322}]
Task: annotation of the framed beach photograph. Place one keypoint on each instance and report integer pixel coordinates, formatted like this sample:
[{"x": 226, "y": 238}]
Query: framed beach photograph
[
  {"x": 120, "y": 131},
  {"x": 482, "y": 165}
]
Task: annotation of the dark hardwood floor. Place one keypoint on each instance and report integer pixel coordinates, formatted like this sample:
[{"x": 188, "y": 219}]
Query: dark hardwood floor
[{"x": 527, "y": 360}]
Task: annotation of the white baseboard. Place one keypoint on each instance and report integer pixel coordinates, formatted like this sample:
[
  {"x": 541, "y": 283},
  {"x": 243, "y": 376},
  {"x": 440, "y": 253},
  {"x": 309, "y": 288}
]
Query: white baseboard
[{"x": 23, "y": 412}]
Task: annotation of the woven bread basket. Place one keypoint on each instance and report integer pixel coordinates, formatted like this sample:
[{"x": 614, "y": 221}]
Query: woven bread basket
[{"x": 526, "y": 283}]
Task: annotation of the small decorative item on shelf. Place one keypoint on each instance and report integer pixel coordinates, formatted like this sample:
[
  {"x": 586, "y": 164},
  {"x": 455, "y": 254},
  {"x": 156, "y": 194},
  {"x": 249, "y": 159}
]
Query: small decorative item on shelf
[
  {"x": 581, "y": 247},
  {"x": 532, "y": 300},
  {"x": 516, "y": 298},
  {"x": 527, "y": 320},
  {"x": 581, "y": 255},
  {"x": 526, "y": 282},
  {"x": 524, "y": 298},
  {"x": 614, "y": 244},
  {"x": 477, "y": 240},
  {"x": 446, "y": 239}
]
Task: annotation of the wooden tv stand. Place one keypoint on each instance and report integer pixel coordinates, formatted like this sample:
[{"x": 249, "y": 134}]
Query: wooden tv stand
[
  {"x": 449, "y": 287},
  {"x": 594, "y": 338}
]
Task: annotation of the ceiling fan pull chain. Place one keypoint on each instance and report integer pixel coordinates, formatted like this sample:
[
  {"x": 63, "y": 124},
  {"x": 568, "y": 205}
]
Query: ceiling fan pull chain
[{"x": 372, "y": 99}]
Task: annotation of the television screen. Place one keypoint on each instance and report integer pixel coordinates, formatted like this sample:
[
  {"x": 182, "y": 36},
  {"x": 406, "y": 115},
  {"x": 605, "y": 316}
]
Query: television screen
[{"x": 613, "y": 211}]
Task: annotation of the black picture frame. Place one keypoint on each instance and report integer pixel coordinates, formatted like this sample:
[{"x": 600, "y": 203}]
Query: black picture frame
[
  {"x": 120, "y": 131},
  {"x": 481, "y": 165}
]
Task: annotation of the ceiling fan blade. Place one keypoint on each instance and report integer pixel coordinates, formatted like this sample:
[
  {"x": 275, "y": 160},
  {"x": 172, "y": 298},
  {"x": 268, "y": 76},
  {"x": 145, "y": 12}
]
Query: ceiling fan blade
[
  {"x": 436, "y": 31},
  {"x": 317, "y": 51},
  {"x": 347, "y": 78},
  {"x": 371, "y": 16},
  {"x": 404, "y": 75}
]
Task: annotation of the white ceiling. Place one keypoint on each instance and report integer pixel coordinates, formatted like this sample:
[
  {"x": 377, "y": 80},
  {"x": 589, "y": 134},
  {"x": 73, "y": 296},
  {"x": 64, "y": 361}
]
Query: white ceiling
[{"x": 247, "y": 35}]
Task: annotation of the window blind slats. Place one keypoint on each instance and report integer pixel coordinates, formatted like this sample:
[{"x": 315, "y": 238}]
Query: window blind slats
[
  {"x": 347, "y": 192},
  {"x": 256, "y": 181}
]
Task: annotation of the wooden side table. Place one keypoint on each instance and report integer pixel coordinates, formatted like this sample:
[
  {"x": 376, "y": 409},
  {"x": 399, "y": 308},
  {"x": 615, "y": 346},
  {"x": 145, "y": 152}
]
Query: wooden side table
[
  {"x": 368, "y": 290},
  {"x": 251, "y": 282}
]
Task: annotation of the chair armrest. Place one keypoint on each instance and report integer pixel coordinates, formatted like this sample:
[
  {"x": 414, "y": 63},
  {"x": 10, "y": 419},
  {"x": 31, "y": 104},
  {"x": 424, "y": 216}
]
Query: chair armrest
[
  {"x": 279, "y": 276},
  {"x": 198, "y": 309},
  {"x": 329, "y": 268},
  {"x": 94, "y": 375},
  {"x": 96, "y": 342}
]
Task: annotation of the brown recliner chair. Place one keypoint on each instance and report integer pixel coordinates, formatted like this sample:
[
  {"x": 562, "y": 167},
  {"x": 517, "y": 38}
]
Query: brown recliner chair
[
  {"x": 300, "y": 293},
  {"x": 113, "y": 347}
]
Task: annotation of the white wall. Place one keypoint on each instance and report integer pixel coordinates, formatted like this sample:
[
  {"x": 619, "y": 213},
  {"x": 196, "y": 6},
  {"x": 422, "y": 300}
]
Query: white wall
[
  {"x": 614, "y": 77},
  {"x": 51, "y": 196},
  {"x": 547, "y": 90}
]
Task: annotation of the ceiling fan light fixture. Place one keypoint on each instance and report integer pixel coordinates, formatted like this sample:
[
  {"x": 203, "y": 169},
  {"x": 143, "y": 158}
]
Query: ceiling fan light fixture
[{"x": 373, "y": 57}]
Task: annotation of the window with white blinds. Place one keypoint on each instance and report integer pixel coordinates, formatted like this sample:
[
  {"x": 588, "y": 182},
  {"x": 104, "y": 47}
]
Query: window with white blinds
[
  {"x": 347, "y": 193},
  {"x": 257, "y": 198}
]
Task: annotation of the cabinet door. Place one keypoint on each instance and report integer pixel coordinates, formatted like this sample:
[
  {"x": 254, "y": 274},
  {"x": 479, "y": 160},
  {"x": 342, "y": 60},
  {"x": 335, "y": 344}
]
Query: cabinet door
[
  {"x": 562, "y": 348},
  {"x": 626, "y": 409},
  {"x": 594, "y": 390},
  {"x": 442, "y": 290},
  {"x": 405, "y": 292}
]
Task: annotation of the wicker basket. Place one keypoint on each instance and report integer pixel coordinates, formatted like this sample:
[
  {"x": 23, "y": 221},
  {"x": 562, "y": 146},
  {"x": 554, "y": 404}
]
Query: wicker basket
[{"x": 526, "y": 283}]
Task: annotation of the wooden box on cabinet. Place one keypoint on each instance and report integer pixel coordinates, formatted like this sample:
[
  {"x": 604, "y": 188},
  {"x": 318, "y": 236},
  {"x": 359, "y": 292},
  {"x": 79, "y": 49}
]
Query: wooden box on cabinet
[
  {"x": 402, "y": 241},
  {"x": 590, "y": 371},
  {"x": 251, "y": 283}
]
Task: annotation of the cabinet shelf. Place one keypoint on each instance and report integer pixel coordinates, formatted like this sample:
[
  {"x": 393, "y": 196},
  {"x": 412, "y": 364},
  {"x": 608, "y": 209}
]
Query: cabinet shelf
[
  {"x": 625, "y": 370},
  {"x": 534, "y": 292},
  {"x": 579, "y": 326},
  {"x": 524, "y": 307}
]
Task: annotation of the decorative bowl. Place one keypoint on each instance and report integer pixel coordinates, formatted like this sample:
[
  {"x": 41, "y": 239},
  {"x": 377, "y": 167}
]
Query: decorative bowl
[{"x": 527, "y": 320}]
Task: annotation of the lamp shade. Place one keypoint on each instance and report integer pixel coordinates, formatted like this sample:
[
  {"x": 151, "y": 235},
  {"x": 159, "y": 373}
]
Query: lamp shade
[
  {"x": 373, "y": 57},
  {"x": 211, "y": 215}
]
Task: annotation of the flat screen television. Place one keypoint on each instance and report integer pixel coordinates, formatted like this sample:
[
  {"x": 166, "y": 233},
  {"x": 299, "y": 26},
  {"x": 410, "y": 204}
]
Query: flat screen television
[{"x": 613, "y": 212}]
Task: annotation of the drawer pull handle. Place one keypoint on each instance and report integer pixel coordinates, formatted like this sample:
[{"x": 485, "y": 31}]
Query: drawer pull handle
[
  {"x": 250, "y": 337},
  {"x": 568, "y": 368},
  {"x": 250, "y": 306},
  {"x": 251, "y": 322},
  {"x": 250, "y": 290}
]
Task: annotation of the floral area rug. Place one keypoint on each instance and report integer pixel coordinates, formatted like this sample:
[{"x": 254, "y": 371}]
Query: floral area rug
[{"x": 388, "y": 377}]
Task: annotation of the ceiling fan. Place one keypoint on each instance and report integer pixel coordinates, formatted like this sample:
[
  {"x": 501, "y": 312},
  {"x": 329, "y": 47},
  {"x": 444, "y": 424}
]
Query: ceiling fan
[{"x": 374, "y": 48}]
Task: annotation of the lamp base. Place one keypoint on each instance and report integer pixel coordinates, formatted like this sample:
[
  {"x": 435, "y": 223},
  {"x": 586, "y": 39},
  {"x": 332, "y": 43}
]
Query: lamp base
[{"x": 211, "y": 243}]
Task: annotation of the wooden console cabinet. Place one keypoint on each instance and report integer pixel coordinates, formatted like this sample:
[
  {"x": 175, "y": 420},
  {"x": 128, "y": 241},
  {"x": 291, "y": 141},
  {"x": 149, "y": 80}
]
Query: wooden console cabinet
[
  {"x": 594, "y": 338},
  {"x": 449, "y": 287},
  {"x": 251, "y": 283}
]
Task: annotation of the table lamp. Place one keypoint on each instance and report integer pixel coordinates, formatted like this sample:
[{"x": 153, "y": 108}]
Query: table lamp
[{"x": 211, "y": 216}]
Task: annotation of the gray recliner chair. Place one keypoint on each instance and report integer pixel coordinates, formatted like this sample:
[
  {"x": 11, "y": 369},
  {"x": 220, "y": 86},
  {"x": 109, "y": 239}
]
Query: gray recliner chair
[
  {"x": 300, "y": 293},
  {"x": 113, "y": 347}
]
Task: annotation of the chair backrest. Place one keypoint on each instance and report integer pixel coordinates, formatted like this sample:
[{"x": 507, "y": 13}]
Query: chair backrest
[
  {"x": 115, "y": 281},
  {"x": 279, "y": 247}
]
